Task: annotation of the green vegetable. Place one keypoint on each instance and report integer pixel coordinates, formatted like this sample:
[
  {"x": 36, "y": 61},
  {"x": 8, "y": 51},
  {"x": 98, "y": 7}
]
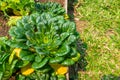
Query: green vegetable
[
  {"x": 56, "y": 60},
  {"x": 44, "y": 39},
  {"x": 61, "y": 77},
  {"x": 50, "y": 7},
  {"x": 68, "y": 62},
  {"x": 26, "y": 55},
  {"x": 37, "y": 65}
]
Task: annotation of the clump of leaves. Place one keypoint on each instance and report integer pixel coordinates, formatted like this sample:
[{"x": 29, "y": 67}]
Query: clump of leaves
[
  {"x": 44, "y": 40},
  {"x": 31, "y": 7},
  {"x": 6, "y": 69},
  {"x": 16, "y": 7},
  {"x": 50, "y": 7}
]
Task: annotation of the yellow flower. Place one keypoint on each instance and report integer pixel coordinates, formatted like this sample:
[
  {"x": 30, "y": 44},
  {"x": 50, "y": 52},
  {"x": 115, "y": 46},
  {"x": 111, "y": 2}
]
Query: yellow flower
[
  {"x": 27, "y": 70},
  {"x": 59, "y": 69},
  {"x": 66, "y": 16},
  {"x": 17, "y": 52}
]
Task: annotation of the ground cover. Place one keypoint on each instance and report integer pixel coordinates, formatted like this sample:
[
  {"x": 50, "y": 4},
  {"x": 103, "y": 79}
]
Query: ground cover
[{"x": 102, "y": 36}]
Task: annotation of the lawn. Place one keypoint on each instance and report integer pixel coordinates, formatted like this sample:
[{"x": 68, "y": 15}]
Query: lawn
[{"x": 102, "y": 36}]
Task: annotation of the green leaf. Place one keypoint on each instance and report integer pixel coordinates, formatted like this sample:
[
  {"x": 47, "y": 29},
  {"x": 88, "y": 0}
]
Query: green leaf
[
  {"x": 71, "y": 39},
  {"x": 38, "y": 58},
  {"x": 73, "y": 52},
  {"x": 64, "y": 35},
  {"x": 3, "y": 57},
  {"x": 16, "y": 44},
  {"x": 13, "y": 66},
  {"x": 37, "y": 65},
  {"x": 1, "y": 74},
  {"x": 56, "y": 59},
  {"x": 11, "y": 32},
  {"x": 26, "y": 55},
  {"x": 21, "y": 77},
  {"x": 22, "y": 63},
  {"x": 68, "y": 62},
  {"x": 29, "y": 35},
  {"x": 41, "y": 51},
  {"x": 32, "y": 18},
  {"x": 64, "y": 50},
  {"x": 61, "y": 77},
  {"x": 19, "y": 23},
  {"x": 28, "y": 26}
]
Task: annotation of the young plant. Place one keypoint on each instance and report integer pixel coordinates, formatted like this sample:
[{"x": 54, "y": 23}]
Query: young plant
[{"x": 43, "y": 40}]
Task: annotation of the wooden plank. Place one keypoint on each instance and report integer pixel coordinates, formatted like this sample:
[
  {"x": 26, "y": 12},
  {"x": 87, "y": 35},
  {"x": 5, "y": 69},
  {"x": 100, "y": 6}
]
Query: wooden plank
[
  {"x": 59, "y": 1},
  {"x": 66, "y": 5}
]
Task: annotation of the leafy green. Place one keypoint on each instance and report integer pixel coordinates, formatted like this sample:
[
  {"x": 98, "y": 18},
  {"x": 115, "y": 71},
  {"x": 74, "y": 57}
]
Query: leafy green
[
  {"x": 44, "y": 39},
  {"x": 50, "y": 7},
  {"x": 48, "y": 35},
  {"x": 6, "y": 69}
]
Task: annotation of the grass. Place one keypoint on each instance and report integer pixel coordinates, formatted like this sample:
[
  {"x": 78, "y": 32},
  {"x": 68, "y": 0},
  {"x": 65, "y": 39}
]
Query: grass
[{"x": 102, "y": 36}]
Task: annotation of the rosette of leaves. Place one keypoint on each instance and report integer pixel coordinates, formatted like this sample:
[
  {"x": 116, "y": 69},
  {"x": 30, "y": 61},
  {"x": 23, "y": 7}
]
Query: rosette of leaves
[
  {"x": 45, "y": 39},
  {"x": 50, "y": 7}
]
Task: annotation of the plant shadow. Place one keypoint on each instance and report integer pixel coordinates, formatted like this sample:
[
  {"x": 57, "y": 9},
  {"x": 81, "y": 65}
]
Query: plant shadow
[
  {"x": 81, "y": 64},
  {"x": 81, "y": 47},
  {"x": 110, "y": 77}
]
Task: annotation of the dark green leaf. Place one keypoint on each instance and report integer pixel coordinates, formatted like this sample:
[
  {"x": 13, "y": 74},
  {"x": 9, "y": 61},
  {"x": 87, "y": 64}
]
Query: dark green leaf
[
  {"x": 38, "y": 58},
  {"x": 37, "y": 65},
  {"x": 56, "y": 60},
  {"x": 68, "y": 62},
  {"x": 26, "y": 55},
  {"x": 22, "y": 63},
  {"x": 64, "y": 50}
]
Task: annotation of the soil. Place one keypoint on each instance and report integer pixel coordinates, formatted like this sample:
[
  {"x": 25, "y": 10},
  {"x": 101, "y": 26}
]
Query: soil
[
  {"x": 3, "y": 26},
  {"x": 59, "y": 1}
]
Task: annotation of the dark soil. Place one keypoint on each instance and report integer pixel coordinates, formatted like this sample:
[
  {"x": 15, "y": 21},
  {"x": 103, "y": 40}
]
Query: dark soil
[{"x": 3, "y": 26}]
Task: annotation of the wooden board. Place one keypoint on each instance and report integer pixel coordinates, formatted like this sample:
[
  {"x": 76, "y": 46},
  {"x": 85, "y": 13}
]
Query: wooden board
[{"x": 59, "y": 1}]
